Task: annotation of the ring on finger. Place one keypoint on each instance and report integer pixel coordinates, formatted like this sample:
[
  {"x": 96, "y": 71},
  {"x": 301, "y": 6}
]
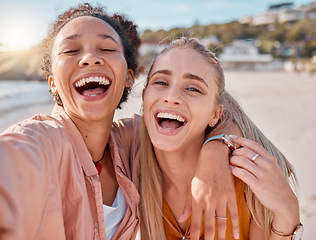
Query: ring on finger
[
  {"x": 254, "y": 157},
  {"x": 222, "y": 218}
]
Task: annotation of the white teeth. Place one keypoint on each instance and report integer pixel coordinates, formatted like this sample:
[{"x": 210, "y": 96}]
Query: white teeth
[
  {"x": 100, "y": 80},
  {"x": 170, "y": 116}
]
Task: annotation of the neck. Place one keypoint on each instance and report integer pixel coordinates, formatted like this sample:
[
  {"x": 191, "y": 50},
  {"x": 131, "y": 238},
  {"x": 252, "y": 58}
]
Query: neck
[
  {"x": 178, "y": 167},
  {"x": 95, "y": 135}
]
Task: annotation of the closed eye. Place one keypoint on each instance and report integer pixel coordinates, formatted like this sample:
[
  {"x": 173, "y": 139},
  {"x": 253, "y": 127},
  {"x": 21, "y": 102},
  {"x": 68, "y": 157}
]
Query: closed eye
[
  {"x": 71, "y": 51},
  {"x": 107, "y": 50}
]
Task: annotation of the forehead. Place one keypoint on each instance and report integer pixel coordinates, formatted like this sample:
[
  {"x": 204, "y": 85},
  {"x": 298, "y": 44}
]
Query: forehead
[
  {"x": 186, "y": 60},
  {"x": 86, "y": 26}
]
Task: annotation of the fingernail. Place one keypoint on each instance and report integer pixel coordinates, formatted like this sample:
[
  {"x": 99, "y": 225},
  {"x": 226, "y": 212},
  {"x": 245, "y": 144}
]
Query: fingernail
[
  {"x": 180, "y": 218},
  {"x": 236, "y": 235},
  {"x": 233, "y": 136}
]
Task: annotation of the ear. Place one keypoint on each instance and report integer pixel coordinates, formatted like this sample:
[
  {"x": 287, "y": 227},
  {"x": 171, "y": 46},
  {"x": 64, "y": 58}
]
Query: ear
[
  {"x": 129, "y": 81},
  {"x": 216, "y": 116},
  {"x": 52, "y": 84}
]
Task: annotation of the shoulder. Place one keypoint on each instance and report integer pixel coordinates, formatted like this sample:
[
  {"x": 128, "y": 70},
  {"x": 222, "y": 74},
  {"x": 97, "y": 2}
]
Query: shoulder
[
  {"x": 40, "y": 124},
  {"x": 127, "y": 123},
  {"x": 126, "y": 128},
  {"x": 41, "y": 133},
  {"x": 42, "y": 139},
  {"x": 31, "y": 144},
  {"x": 126, "y": 135}
]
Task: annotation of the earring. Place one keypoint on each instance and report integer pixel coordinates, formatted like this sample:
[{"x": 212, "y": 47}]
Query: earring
[
  {"x": 211, "y": 124},
  {"x": 53, "y": 90},
  {"x": 129, "y": 79},
  {"x": 128, "y": 83}
]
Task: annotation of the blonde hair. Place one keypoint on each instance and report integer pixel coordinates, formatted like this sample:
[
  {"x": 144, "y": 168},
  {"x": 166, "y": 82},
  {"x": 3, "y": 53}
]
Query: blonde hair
[
  {"x": 233, "y": 112},
  {"x": 152, "y": 226}
]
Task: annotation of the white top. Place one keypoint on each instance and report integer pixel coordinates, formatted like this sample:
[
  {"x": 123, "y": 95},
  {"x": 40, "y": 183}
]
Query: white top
[{"x": 113, "y": 215}]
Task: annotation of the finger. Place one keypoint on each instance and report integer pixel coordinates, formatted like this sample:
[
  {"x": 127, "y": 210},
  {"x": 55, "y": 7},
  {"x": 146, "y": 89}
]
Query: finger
[
  {"x": 255, "y": 147},
  {"x": 221, "y": 219},
  {"x": 233, "y": 213},
  {"x": 247, "y": 159},
  {"x": 209, "y": 224},
  {"x": 246, "y": 176},
  {"x": 243, "y": 151},
  {"x": 187, "y": 210},
  {"x": 245, "y": 163},
  {"x": 196, "y": 220}
]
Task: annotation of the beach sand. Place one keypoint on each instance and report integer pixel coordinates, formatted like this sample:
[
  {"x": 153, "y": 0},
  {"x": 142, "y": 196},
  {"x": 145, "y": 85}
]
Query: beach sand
[{"x": 283, "y": 107}]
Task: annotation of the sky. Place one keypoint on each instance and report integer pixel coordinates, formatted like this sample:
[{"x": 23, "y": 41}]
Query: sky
[{"x": 24, "y": 23}]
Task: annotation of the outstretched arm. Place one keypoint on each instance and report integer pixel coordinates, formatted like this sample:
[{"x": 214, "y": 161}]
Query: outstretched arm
[
  {"x": 262, "y": 173},
  {"x": 26, "y": 179},
  {"x": 213, "y": 189}
]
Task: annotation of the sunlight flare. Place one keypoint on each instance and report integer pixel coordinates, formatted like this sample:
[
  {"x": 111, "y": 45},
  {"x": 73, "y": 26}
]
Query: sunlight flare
[{"x": 20, "y": 29}]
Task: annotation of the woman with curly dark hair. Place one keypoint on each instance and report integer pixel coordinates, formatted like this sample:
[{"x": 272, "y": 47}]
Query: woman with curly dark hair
[{"x": 49, "y": 182}]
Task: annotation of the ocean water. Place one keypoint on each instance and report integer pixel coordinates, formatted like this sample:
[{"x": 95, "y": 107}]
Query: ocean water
[
  {"x": 22, "y": 99},
  {"x": 15, "y": 95}
]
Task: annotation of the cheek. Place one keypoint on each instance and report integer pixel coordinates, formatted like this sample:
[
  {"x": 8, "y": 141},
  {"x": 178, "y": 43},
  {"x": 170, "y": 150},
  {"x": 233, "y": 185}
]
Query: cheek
[
  {"x": 203, "y": 119},
  {"x": 118, "y": 64},
  {"x": 147, "y": 104},
  {"x": 59, "y": 80},
  {"x": 58, "y": 69},
  {"x": 204, "y": 110},
  {"x": 151, "y": 93},
  {"x": 61, "y": 70}
]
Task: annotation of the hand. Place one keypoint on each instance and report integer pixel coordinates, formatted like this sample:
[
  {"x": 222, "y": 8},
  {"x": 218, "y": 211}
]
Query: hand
[
  {"x": 213, "y": 191},
  {"x": 266, "y": 179}
]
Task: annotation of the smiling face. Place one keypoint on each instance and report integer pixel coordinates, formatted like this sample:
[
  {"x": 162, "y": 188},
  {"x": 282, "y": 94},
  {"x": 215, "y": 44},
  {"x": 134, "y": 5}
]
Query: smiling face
[
  {"x": 89, "y": 70},
  {"x": 180, "y": 99}
]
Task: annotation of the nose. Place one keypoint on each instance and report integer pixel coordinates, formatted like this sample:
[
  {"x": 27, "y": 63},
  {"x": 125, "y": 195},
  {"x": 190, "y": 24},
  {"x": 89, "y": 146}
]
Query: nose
[
  {"x": 91, "y": 59},
  {"x": 173, "y": 95}
]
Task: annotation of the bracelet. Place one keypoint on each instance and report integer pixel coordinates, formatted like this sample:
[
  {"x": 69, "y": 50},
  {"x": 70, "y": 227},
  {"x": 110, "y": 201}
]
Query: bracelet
[
  {"x": 225, "y": 138},
  {"x": 296, "y": 235},
  {"x": 281, "y": 234}
]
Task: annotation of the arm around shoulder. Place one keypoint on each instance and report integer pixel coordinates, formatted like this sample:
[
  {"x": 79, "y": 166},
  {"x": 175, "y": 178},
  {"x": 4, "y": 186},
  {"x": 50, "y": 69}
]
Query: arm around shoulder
[{"x": 213, "y": 186}]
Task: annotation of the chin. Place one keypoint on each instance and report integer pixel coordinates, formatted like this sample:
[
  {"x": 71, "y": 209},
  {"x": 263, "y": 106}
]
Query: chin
[{"x": 165, "y": 145}]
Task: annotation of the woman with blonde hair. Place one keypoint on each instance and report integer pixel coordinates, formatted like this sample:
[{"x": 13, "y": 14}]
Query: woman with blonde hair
[{"x": 184, "y": 99}]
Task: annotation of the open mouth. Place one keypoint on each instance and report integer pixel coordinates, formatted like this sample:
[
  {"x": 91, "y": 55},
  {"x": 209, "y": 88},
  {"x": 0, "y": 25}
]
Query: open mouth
[
  {"x": 170, "y": 121},
  {"x": 92, "y": 86}
]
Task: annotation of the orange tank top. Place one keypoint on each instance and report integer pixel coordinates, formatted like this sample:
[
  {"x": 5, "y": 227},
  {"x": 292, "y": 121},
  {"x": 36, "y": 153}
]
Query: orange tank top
[{"x": 174, "y": 232}]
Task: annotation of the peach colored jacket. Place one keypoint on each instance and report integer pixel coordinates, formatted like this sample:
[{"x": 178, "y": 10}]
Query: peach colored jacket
[{"x": 49, "y": 186}]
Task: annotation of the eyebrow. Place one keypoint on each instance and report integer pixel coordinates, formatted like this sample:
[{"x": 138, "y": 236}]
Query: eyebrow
[
  {"x": 103, "y": 36},
  {"x": 186, "y": 76},
  {"x": 73, "y": 37},
  {"x": 164, "y": 71},
  {"x": 194, "y": 77}
]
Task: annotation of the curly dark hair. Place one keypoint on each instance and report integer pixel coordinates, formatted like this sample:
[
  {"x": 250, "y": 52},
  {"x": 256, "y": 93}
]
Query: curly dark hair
[{"x": 126, "y": 29}]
